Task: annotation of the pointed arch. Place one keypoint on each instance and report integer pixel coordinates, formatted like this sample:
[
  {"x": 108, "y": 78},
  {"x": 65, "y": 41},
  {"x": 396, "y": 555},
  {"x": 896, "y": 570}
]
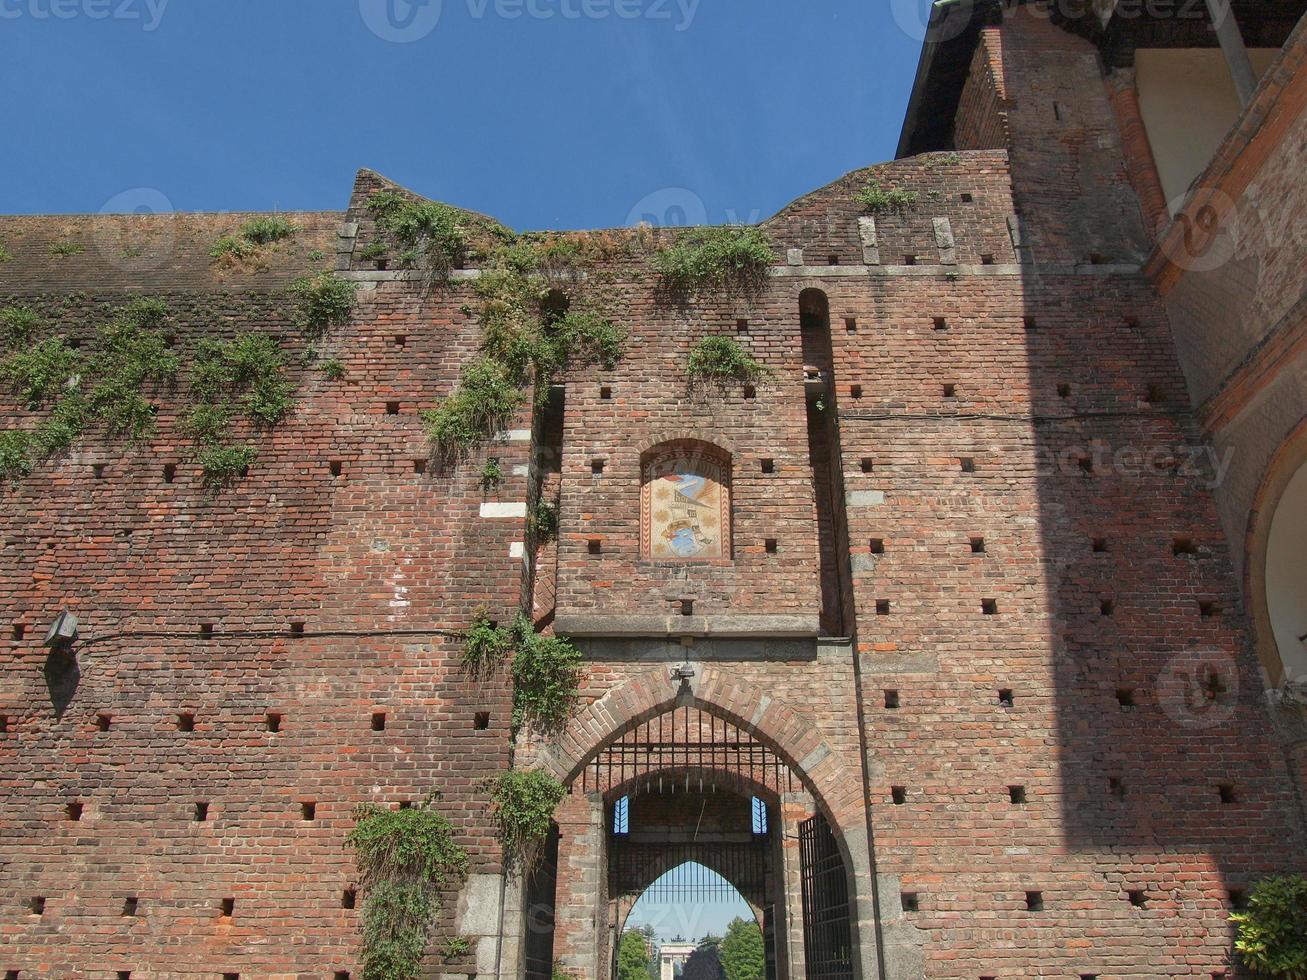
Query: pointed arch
[{"x": 777, "y": 723}]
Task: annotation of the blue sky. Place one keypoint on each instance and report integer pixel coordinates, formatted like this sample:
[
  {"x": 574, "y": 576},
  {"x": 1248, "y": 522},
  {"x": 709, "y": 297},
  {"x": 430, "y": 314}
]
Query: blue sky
[
  {"x": 544, "y": 113},
  {"x": 691, "y": 920}
]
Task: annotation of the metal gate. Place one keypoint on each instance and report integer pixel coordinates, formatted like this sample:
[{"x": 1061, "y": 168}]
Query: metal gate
[{"x": 827, "y": 946}]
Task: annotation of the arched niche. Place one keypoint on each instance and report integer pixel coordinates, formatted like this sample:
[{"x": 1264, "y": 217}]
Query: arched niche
[{"x": 685, "y": 502}]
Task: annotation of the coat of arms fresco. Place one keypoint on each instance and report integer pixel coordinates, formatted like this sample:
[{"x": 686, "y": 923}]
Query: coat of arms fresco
[{"x": 685, "y": 506}]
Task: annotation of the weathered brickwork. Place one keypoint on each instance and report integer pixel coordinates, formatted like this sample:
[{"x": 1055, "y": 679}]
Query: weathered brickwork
[{"x": 1040, "y": 744}]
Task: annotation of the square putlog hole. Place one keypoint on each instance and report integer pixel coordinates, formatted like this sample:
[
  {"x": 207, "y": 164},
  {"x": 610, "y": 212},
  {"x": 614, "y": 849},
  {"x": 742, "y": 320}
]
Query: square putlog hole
[
  {"x": 1016, "y": 794},
  {"x": 1034, "y": 901},
  {"x": 989, "y": 607},
  {"x": 186, "y": 722},
  {"x": 378, "y": 721},
  {"x": 898, "y": 795},
  {"x": 892, "y": 700},
  {"x": 481, "y": 721},
  {"x": 877, "y": 546},
  {"x": 910, "y": 901},
  {"x": 308, "y": 811},
  {"x": 272, "y": 721},
  {"x": 768, "y": 465},
  {"x": 594, "y": 546}
]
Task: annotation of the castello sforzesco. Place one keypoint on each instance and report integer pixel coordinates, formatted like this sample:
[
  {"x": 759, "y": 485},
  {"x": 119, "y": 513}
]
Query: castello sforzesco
[{"x": 386, "y": 592}]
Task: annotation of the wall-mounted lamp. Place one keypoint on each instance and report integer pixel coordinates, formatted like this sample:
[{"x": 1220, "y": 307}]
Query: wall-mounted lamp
[{"x": 63, "y": 631}]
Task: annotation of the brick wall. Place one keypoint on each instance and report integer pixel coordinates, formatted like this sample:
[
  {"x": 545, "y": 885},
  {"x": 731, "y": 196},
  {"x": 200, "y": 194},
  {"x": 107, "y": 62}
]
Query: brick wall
[
  {"x": 144, "y": 562},
  {"x": 1019, "y": 447}
]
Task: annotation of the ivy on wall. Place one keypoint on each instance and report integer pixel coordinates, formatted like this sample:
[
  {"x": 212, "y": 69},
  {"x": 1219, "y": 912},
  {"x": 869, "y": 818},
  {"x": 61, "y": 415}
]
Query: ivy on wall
[
  {"x": 404, "y": 857},
  {"x": 522, "y": 805},
  {"x": 546, "y": 670},
  {"x": 531, "y": 332}
]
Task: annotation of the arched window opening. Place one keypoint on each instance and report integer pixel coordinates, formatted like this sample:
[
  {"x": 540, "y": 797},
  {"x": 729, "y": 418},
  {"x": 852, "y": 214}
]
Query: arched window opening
[
  {"x": 685, "y": 502},
  {"x": 1286, "y": 586},
  {"x": 554, "y": 306}
]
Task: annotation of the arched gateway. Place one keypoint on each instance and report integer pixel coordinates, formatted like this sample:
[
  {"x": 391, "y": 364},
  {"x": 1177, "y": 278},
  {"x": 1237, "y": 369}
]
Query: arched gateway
[{"x": 671, "y": 766}]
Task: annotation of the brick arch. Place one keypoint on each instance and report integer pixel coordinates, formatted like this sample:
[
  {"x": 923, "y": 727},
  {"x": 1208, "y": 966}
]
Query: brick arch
[
  {"x": 717, "y": 440},
  {"x": 777, "y": 723}
]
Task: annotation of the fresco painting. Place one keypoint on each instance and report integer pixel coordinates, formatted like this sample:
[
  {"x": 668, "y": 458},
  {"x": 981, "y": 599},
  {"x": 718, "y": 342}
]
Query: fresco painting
[{"x": 686, "y": 507}]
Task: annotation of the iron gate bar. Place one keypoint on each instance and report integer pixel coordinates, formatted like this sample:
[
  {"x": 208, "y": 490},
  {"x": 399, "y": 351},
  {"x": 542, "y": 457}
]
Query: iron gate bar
[
  {"x": 827, "y": 937},
  {"x": 685, "y": 740}
]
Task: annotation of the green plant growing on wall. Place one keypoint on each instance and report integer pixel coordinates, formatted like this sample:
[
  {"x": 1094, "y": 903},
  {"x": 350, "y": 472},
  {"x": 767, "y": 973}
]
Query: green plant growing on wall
[
  {"x": 546, "y": 679},
  {"x": 542, "y": 522},
  {"x": 729, "y": 257},
  {"x": 492, "y": 474},
  {"x": 231, "y": 249},
  {"x": 65, "y": 249},
  {"x": 546, "y": 669},
  {"x": 436, "y": 231},
  {"x": 485, "y": 646},
  {"x": 221, "y": 466},
  {"x": 322, "y": 302},
  {"x": 5, "y": 254},
  {"x": 1272, "y": 932},
  {"x": 18, "y": 324},
  {"x": 456, "y": 946},
  {"x": 106, "y": 386},
  {"x": 266, "y": 229},
  {"x": 130, "y": 352},
  {"x": 246, "y": 372},
  {"x": 333, "y": 368},
  {"x": 522, "y": 804},
  {"x": 15, "y": 454},
  {"x": 878, "y": 200},
  {"x": 405, "y": 857},
  {"x": 482, "y": 405},
  {"x": 528, "y": 337},
  {"x": 40, "y": 373},
  {"x": 722, "y": 361},
  {"x": 373, "y": 251},
  {"x": 252, "y": 237}
]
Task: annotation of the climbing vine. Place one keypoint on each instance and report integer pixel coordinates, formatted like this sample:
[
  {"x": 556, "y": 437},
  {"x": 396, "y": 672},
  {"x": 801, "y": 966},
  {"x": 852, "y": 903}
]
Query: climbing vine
[
  {"x": 1272, "y": 932},
  {"x": 405, "y": 857},
  {"x": 733, "y": 258},
  {"x": 530, "y": 333},
  {"x": 546, "y": 670},
  {"x": 522, "y": 804}
]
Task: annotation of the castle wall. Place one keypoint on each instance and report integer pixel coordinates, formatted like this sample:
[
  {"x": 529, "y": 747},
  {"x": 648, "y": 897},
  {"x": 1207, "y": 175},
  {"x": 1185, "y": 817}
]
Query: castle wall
[{"x": 1046, "y": 723}]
